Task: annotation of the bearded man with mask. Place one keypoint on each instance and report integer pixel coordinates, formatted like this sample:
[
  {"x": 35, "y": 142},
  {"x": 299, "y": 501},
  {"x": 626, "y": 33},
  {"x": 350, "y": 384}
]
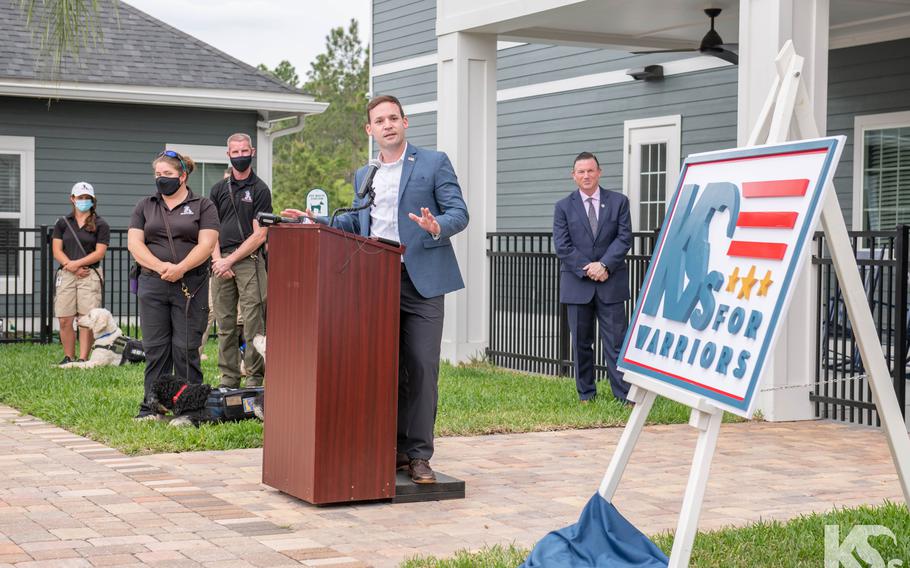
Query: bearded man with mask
[{"x": 238, "y": 268}]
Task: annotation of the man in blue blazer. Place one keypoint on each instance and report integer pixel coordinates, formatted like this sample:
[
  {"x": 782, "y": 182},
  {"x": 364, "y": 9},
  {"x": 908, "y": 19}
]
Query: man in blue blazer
[
  {"x": 592, "y": 232},
  {"x": 419, "y": 204}
]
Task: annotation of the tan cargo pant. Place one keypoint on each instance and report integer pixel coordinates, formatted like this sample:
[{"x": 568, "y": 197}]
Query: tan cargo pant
[{"x": 246, "y": 292}]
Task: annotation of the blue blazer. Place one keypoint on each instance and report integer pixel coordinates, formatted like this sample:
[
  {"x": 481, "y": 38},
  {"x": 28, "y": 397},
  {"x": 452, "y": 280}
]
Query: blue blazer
[
  {"x": 576, "y": 246},
  {"x": 427, "y": 180}
]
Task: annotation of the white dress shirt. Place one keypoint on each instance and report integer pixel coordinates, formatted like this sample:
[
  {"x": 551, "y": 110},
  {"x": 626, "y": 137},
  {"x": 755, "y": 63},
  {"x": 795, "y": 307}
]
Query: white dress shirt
[
  {"x": 584, "y": 201},
  {"x": 384, "y": 212}
]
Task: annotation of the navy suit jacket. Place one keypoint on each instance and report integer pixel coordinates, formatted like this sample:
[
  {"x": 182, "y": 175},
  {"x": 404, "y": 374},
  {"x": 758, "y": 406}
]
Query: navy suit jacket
[
  {"x": 576, "y": 246},
  {"x": 427, "y": 180}
]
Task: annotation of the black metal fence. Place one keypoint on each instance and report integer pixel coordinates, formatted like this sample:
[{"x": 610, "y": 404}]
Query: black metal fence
[
  {"x": 842, "y": 391},
  {"x": 529, "y": 328},
  {"x": 28, "y": 279}
]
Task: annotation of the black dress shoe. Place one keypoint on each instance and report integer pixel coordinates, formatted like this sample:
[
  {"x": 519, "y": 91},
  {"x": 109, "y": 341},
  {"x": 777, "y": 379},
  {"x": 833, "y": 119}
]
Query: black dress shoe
[
  {"x": 421, "y": 472},
  {"x": 401, "y": 462}
]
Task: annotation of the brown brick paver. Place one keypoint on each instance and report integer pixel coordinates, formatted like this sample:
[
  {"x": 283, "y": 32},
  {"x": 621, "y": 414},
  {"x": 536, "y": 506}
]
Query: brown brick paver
[
  {"x": 66, "y": 501},
  {"x": 520, "y": 486},
  {"x": 62, "y": 503}
]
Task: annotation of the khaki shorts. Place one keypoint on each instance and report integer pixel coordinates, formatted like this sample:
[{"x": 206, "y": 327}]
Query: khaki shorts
[{"x": 76, "y": 296}]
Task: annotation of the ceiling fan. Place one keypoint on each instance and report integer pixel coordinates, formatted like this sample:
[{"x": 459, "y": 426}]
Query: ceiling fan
[{"x": 711, "y": 44}]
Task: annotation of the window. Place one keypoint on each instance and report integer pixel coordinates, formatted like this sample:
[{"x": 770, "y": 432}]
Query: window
[
  {"x": 652, "y": 199},
  {"x": 881, "y": 171},
  {"x": 650, "y": 168},
  {"x": 17, "y": 194},
  {"x": 211, "y": 161}
]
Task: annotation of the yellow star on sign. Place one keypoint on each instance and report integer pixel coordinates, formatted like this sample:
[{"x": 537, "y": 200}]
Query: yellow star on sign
[
  {"x": 765, "y": 284},
  {"x": 748, "y": 281},
  {"x": 734, "y": 278}
]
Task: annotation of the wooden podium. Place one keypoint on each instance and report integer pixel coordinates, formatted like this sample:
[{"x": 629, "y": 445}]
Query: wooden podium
[{"x": 332, "y": 368}]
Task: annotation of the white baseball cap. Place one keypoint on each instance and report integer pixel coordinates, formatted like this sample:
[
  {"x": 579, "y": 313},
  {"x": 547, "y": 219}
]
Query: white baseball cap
[{"x": 83, "y": 188}]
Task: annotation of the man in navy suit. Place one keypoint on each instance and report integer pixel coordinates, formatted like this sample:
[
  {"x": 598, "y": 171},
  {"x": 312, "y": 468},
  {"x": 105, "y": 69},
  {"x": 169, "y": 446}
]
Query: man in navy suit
[
  {"x": 419, "y": 204},
  {"x": 592, "y": 232}
]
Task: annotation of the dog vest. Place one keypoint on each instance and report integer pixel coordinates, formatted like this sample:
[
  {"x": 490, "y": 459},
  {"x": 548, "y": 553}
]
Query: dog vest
[{"x": 130, "y": 350}]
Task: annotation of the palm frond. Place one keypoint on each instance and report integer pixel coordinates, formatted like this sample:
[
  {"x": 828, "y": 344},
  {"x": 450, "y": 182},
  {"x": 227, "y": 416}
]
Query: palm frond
[{"x": 63, "y": 27}]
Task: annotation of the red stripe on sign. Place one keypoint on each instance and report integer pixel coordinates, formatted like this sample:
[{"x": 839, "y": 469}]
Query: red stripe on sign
[
  {"x": 774, "y": 251},
  {"x": 681, "y": 378},
  {"x": 776, "y": 188},
  {"x": 767, "y": 219},
  {"x": 761, "y": 157}
]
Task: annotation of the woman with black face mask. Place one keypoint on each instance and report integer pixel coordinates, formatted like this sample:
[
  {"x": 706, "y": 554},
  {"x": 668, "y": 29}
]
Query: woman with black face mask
[{"x": 172, "y": 234}]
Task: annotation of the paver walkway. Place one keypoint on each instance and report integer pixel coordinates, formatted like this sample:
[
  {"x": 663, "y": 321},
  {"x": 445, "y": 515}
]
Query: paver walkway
[
  {"x": 62, "y": 496},
  {"x": 69, "y": 502}
]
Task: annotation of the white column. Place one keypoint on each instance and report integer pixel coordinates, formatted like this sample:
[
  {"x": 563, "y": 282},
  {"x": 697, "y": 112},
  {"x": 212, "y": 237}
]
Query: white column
[
  {"x": 764, "y": 26},
  {"x": 264, "y": 153},
  {"x": 466, "y": 131}
]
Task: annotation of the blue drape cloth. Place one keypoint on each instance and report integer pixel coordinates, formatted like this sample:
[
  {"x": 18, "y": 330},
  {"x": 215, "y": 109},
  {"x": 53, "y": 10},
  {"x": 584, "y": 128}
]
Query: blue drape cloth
[{"x": 601, "y": 538}]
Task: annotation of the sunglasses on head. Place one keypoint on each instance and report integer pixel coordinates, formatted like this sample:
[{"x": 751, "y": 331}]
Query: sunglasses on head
[{"x": 175, "y": 155}]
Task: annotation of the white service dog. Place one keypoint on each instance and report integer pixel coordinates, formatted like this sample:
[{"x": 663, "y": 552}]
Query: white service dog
[
  {"x": 259, "y": 403},
  {"x": 106, "y": 331},
  {"x": 259, "y": 344}
]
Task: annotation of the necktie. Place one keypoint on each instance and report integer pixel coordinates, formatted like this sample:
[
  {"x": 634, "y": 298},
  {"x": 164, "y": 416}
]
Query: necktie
[{"x": 592, "y": 216}]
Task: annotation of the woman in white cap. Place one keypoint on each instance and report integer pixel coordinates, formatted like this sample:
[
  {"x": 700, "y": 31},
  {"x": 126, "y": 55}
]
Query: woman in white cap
[{"x": 80, "y": 241}]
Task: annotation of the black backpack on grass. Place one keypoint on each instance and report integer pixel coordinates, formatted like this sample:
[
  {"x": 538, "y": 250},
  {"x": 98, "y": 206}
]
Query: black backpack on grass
[{"x": 228, "y": 405}]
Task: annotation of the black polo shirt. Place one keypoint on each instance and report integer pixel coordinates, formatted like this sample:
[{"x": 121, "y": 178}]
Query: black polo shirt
[
  {"x": 250, "y": 196},
  {"x": 186, "y": 220},
  {"x": 102, "y": 235}
]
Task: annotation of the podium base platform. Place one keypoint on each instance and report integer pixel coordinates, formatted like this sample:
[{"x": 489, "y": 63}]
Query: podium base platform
[{"x": 446, "y": 487}]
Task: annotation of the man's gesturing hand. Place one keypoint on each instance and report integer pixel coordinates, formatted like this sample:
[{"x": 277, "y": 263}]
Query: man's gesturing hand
[
  {"x": 297, "y": 213},
  {"x": 426, "y": 221}
]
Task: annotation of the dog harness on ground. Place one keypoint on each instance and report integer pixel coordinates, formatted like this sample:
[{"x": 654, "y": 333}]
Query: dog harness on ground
[{"x": 130, "y": 350}]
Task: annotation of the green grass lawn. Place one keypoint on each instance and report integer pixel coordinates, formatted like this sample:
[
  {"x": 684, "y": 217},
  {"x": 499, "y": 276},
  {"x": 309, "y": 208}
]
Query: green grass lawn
[
  {"x": 799, "y": 542},
  {"x": 474, "y": 399},
  {"x": 100, "y": 403}
]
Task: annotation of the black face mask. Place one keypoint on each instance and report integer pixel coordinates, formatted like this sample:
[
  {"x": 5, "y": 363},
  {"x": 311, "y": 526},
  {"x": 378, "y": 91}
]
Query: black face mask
[
  {"x": 167, "y": 185},
  {"x": 242, "y": 163}
]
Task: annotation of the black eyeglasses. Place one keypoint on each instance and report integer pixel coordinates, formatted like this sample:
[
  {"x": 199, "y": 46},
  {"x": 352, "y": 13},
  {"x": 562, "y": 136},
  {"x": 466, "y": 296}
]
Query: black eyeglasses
[{"x": 175, "y": 155}]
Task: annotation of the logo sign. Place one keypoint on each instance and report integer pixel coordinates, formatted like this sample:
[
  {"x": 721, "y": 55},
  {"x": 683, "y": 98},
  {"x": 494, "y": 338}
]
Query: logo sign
[
  {"x": 318, "y": 202},
  {"x": 725, "y": 267},
  {"x": 844, "y": 554}
]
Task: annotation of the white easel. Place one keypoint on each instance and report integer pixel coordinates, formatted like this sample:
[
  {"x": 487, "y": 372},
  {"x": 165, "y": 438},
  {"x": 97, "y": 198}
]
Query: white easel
[{"x": 786, "y": 100}]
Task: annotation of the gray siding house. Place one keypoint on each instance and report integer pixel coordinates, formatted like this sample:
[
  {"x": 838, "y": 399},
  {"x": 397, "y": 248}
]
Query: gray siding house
[
  {"x": 143, "y": 87},
  {"x": 557, "y": 100},
  {"x": 525, "y": 86}
]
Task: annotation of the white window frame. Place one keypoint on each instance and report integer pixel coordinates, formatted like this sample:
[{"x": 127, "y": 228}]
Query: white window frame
[
  {"x": 860, "y": 125},
  {"x": 24, "y": 146},
  {"x": 673, "y": 152},
  {"x": 202, "y": 154}
]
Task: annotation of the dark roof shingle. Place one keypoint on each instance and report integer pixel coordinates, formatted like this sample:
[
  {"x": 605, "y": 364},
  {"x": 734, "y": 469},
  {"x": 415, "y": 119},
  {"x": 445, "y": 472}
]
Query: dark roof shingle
[{"x": 133, "y": 49}]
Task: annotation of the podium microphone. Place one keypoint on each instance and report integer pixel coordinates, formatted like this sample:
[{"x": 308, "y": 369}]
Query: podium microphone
[
  {"x": 372, "y": 167},
  {"x": 268, "y": 219}
]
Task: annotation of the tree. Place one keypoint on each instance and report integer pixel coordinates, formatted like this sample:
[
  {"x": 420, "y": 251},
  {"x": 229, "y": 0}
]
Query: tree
[
  {"x": 284, "y": 72},
  {"x": 63, "y": 26},
  {"x": 332, "y": 145}
]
